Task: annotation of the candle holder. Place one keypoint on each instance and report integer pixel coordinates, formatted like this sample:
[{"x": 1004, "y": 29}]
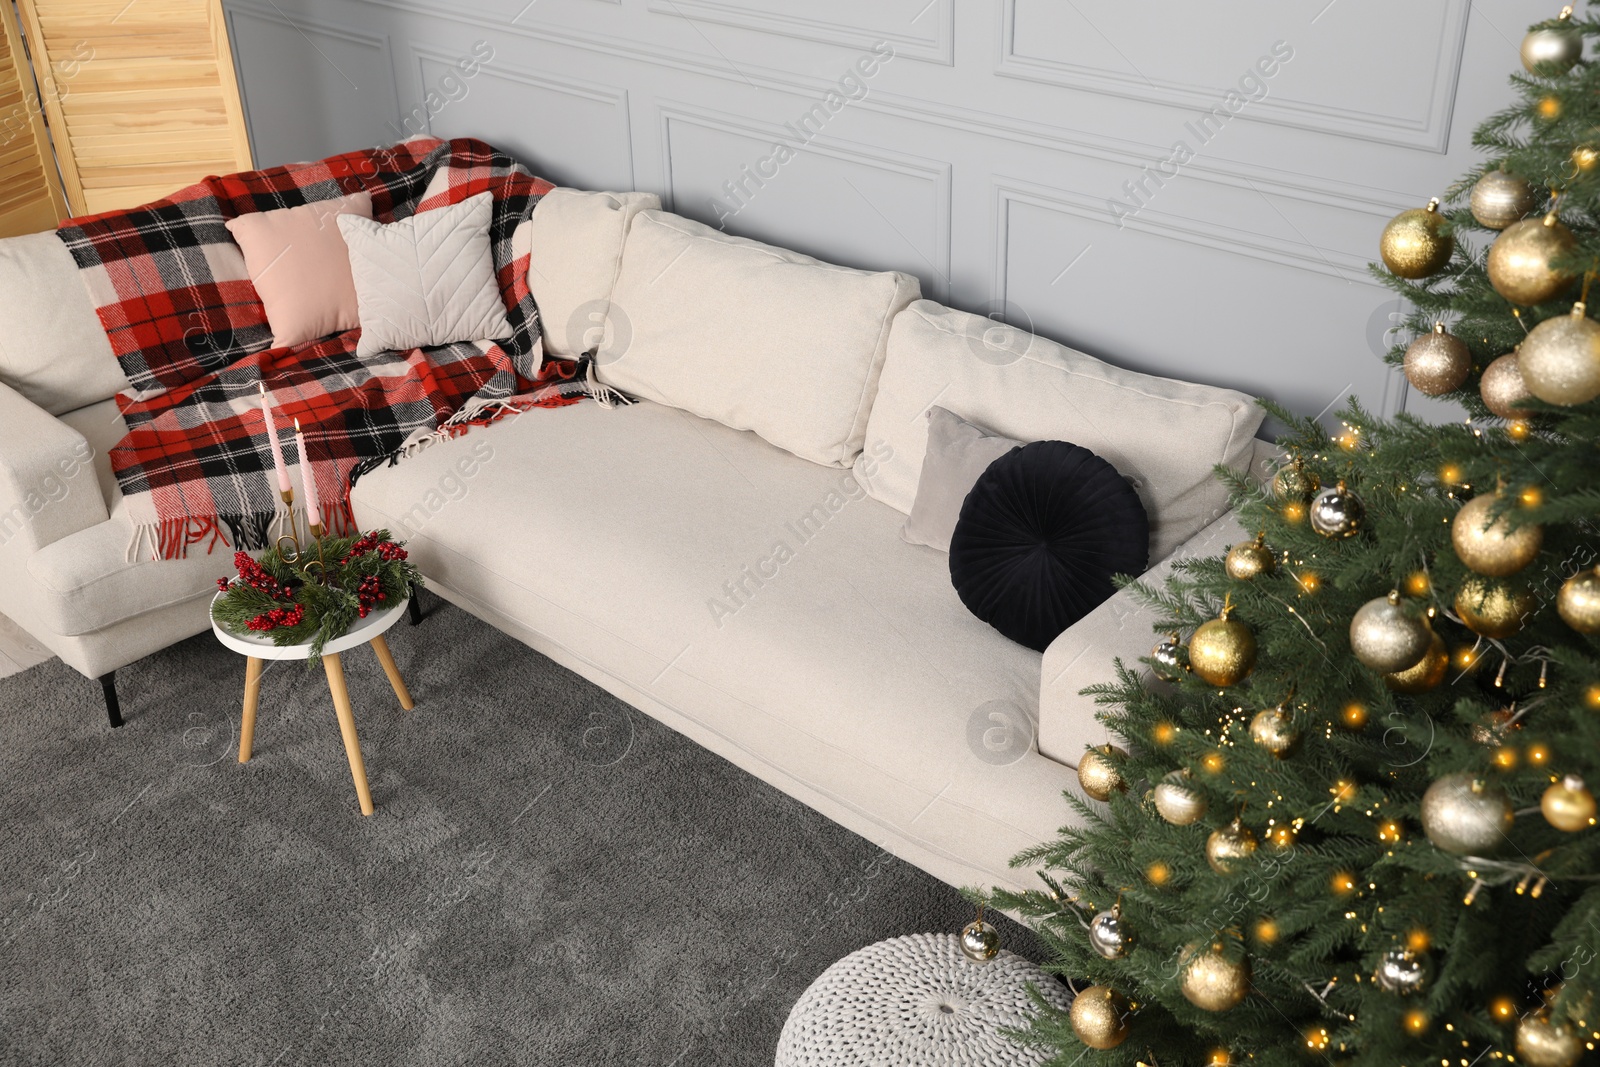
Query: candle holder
[{"x": 288, "y": 545}]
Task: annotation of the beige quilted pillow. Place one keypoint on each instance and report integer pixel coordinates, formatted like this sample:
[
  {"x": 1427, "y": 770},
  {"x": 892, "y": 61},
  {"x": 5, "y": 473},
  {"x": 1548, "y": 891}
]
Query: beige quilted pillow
[{"x": 427, "y": 280}]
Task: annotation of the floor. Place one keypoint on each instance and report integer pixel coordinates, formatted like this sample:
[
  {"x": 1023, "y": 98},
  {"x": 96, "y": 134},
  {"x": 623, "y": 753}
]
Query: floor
[
  {"x": 18, "y": 651},
  {"x": 518, "y": 897}
]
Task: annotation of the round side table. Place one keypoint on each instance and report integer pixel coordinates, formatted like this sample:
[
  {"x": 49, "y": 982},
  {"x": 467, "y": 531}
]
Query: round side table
[
  {"x": 257, "y": 649},
  {"x": 916, "y": 1001}
]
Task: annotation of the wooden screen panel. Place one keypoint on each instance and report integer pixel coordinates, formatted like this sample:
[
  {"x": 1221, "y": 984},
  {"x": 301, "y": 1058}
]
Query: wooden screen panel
[
  {"x": 141, "y": 96},
  {"x": 30, "y": 189}
]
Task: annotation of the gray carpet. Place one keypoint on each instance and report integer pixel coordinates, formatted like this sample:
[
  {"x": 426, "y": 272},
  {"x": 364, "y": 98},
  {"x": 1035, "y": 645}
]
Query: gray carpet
[{"x": 550, "y": 878}]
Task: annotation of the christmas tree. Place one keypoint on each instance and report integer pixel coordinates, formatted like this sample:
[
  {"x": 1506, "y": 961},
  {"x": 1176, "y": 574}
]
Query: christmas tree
[{"x": 1351, "y": 823}]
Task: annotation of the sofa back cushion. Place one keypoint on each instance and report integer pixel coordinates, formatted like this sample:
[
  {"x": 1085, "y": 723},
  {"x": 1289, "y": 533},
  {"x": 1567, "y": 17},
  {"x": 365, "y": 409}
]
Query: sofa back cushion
[
  {"x": 1163, "y": 434},
  {"x": 755, "y": 337},
  {"x": 53, "y": 349},
  {"x": 574, "y": 243}
]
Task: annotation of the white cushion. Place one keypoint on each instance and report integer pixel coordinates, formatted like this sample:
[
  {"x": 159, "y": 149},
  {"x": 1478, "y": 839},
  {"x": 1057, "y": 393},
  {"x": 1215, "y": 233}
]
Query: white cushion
[
  {"x": 1164, "y": 435},
  {"x": 426, "y": 280},
  {"x": 574, "y": 243},
  {"x": 840, "y": 667},
  {"x": 53, "y": 349},
  {"x": 756, "y": 337}
]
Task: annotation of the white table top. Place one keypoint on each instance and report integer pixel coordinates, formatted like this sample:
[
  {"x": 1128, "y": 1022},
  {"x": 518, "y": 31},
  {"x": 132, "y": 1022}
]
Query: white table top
[{"x": 260, "y": 646}]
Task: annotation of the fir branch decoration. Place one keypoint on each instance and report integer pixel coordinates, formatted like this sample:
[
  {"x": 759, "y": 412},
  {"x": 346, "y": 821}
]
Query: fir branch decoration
[{"x": 318, "y": 597}]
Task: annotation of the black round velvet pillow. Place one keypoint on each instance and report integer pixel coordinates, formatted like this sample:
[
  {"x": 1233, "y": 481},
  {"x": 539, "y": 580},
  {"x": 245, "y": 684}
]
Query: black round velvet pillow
[{"x": 1040, "y": 535}]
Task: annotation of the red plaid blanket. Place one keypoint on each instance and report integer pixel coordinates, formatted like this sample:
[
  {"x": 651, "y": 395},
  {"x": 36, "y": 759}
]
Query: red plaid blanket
[{"x": 187, "y": 328}]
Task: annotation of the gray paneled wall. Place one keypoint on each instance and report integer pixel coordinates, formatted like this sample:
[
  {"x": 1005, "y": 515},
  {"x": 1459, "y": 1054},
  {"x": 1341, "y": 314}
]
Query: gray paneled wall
[{"x": 1187, "y": 189}]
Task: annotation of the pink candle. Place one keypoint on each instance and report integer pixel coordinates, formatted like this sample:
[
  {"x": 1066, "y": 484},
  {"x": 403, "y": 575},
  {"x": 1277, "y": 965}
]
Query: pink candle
[
  {"x": 313, "y": 505},
  {"x": 277, "y": 449}
]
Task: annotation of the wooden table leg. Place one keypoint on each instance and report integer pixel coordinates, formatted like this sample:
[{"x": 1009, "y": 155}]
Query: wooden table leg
[
  {"x": 347, "y": 727},
  {"x": 252, "y": 696},
  {"x": 381, "y": 647}
]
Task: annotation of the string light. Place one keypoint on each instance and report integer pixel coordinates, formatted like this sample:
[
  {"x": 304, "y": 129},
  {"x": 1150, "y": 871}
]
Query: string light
[
  {"x": 1391, "y": 832},
  {"x": 1503, "y": 1009},
  {"x": 1354, "y": 715},
  {"x": 1318, "y": 1038},
  {"x": 1531, "y": 497},
  {"x": 1344, "y": 883},
  {"x": 1418, "y": 940},
  {"x": 1294, "y": 512},
  {"x": 1417, "y": 584},
  {"x": 1450, "y": 474},
  {"x": 1163, "y": 733},
  {"x": 1308, "y": 581},
  {"x": 1416, "y": 1022},
  {"x": 1518, "y": 430},
  {"x": 1213, "y": 762},
  {"x": 1158, "y": 873},
  {"x": 1266, "y": 930}
]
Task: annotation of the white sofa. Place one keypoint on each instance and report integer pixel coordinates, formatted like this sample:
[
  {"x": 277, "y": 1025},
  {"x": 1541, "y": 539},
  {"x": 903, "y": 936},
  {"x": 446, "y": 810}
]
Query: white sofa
[
  {"x": 725, "y": 552},
  {"x": 764, "y": 604}
]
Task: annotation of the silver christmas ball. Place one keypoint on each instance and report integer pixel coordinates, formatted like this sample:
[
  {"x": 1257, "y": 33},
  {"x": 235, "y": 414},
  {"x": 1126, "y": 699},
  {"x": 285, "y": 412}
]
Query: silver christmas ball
[
  {"x": 1403, "y": 972},
  {"x": 1465, "y": 815},
  {"x": 1178, "y": 801},
  {"x": 1106, "y": 935},
  {"x": 980, "y": 942},
  {"x": 1499, "y": 199},
  {"x": 1169, "y": 659},
  {"x": 1273, "y": 729},
  {"x": 1384, "y": 637},
  {"x": 1551, "y": 51},
  {"x": 1337, "y": 512}
]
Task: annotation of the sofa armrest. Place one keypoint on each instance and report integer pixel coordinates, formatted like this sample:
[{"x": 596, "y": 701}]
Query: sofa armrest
[
  {"x": 48, "y": 488},
  {"x": 1085, "y": 653}
]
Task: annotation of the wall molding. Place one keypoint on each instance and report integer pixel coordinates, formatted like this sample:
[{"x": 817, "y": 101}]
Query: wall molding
[
  {"x": 1431, "y": 133},
  {"x": 308, "y": 25},
  {"x": 938, "y": 48},
  {"x": 610, "y": 95},
  {"x": 1376, "y": 202},
  {"x": 937, "y": 173},
  {"x": 1209, "y": 235}
]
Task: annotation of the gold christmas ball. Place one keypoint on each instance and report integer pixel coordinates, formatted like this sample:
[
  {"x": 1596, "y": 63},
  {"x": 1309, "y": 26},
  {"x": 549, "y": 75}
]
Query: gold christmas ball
[
  {"x": 1552, "y": 50},
  {"x": 1250, "y": 558},
  {"x": 1568, "y": 805},
  {"x": 1437, "y": 363},
  {"x": 1560, "y": 359},
  {"x": 1499, "y": 199},
  {"x": 1428, "y": 672},
  {"x": 1223, "y": 651},
  {"x": 1466, "y": 815},
  {"x": 1502, "y": 388},
  {"x": 1493, "y": 609},
  {"x": 1097, "y": 775},
  {"x": 1273, "y": 729},
  {"x": 1417, "y": 243},
  {"x": 1579, "y": 602},
  {"x": 1294, "y": 482},
  {"x": 1100, "y": 1017},
  {"x": 1493, "y": 549},
  {"x": 1387, "y": 639},
  {"x": 1542, "y": 1042},
  {"x": 1337, "y": 512},
  {"x": 1211, "y": 980},
  {"x": 1178, "y": 801},
  {"x": 1520, "y": 260},
  {"x": 1229, "y": 847}
]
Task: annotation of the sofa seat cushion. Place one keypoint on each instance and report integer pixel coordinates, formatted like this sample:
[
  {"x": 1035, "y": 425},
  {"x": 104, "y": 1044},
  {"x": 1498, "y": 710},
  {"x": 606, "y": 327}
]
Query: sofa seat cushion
[
  {"x": 85, "y": 581},
  {"x": 754, "y": 336},
  {"x": 1165, "y": 435},
  {"x": 766, "y": 599}
]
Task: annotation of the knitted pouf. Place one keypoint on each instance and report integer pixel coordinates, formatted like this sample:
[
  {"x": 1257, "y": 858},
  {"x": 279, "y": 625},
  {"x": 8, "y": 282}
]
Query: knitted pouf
[{"x": 916, "y": 1001}]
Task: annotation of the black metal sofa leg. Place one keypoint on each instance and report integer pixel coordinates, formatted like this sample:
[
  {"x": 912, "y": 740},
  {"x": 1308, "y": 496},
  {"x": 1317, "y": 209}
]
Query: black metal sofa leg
[
  {"x": 415, "y": 610},
  {"x": 108, "y": 683}
]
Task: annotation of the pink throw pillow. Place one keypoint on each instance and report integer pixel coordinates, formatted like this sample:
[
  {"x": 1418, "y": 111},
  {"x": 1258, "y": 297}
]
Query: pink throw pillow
[{"x": 300, "y": 267}]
